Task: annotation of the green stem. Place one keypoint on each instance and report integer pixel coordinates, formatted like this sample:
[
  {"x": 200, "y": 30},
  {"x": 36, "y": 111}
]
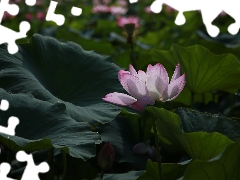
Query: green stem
[
  {"x": 64, "y": 165},
  {"x": 140, "y": 129},
  {"x": 133, "y": 57},
  {"x": 157, "y": 149},
  {"x": 102, "y": 173}
]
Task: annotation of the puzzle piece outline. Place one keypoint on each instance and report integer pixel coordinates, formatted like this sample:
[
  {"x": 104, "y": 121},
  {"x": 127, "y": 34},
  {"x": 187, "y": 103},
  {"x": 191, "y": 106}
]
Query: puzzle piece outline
[
  {"x": 12, "y": 121},
  {"x": 21, "y": 156},
  {"x": 9, "y": 36},
  {"x": 209, "y": 11},
  {"x": 31, "y": 167}
]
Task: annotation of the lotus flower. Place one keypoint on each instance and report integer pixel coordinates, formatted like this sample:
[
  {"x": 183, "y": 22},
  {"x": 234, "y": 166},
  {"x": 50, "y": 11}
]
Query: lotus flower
[
  {"x": 146, "y": 88},
  {"x": 122, "y": 2},
  {"x": 106, "y": 156},
  {"x": 134, "y": 84},
  {"x": 40, "y": 15},
  {"x": 145, "y": 148},
  {"x": 117, "y": 10},
  {"x": 100, "y": 9},
  {"x": 122, "y": 21},
  {"x": 158, "y": 86}
]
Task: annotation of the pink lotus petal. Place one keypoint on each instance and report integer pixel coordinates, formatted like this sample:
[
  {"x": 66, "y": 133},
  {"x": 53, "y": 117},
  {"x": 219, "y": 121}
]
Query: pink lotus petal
[
  {"x": 121, "y": 72},
  {"x": 132, "y": 70},
  {"x": 157, "y": 80},
  {"x": 174, "y": 89},
  {"x": 152, "y": 153},
  {"x": 119, "y": 99},
  {"x": 176, "y": 73},
  {"x": 132, "y": 84},
  {"x": 148, "y": 10},
  {"x": 117, "y": 10},
  {"x": 140, "y": 103},
  {"x": 142, "y": 75},
  {"x": 122, "y": 21},
  {"x": 141, "y": 148},
  {"x": 100, "y": 9}
]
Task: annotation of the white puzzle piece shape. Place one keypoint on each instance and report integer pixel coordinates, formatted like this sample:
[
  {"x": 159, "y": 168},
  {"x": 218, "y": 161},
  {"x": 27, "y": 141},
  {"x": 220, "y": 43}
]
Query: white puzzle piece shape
[
  {"x": 209, "y": 10},
  {"x": 12, "y": 121},
  {"x": 7, "y": 35},
  {"x": 4, "y": 170},
  {"x": 32, "y": 170}
]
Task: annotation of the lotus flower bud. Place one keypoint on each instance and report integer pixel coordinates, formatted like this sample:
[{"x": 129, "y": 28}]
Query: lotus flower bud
[
  {"x": 106, "y": 156},
  {"x": 142, "y": 148}
]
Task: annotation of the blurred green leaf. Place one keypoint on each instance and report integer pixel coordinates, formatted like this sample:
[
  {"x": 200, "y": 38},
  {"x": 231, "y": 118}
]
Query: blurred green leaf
[
  {"x": 198, "y": 145},
  {"x": 170, "y": 171},
  {"x": 205, "y": 72},
  {"x": 226, "y": 166}
]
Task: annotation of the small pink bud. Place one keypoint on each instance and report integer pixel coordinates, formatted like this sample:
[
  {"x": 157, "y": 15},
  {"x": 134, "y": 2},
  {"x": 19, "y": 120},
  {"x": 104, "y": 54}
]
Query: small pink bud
[
  {"x": 142, "y": 148},
  {"x": 28, "y": 16},
  {"x": 106, "y": 156},
  {"x": 40, "y": 16}
]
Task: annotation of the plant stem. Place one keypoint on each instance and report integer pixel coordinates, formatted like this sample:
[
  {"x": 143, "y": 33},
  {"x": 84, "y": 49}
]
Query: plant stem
[
  {"x": 102, "y": 173},
  {"x": 64, "y": 165},
  {"x": 140, "y": 129},
  {"x": 133, "y": 58},
  {"x": 157, "y": 149}
]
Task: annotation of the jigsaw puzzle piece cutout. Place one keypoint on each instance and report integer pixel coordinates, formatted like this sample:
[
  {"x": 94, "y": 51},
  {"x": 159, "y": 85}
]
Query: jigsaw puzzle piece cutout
[
  {"x": 209, "y": 10},
  {"x": 4, "y": 170},
  {"x": 12, "y": 123},
  {"x": 59, "y": 19},
  {"x": 12, "y": 9},
  {"x": 4, "y": 105},
  {"x": 76, "y": 11},
  {"x": 30, "y": 2},
  {"x": 9, "y": 36},
  {"x": 133, "y": 1},
  {"x": 31, "y": 171}
]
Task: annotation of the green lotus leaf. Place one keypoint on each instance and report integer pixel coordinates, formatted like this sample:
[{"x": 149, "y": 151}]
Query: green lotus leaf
[
  {"x": 205, "y": 72},
  {"x": 170, "y": 170},
  {"x": 198, "y": 145},
  {"x": 54, "y": 71},
  {"x": 44, "y": 125},
  {"x": 121, "y": 135},
  {"x": 225, "y": 166},
  {"x": 194, "y": 121}
]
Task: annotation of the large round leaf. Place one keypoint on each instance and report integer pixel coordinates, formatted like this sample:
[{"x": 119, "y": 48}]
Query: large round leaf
[
  {"x": 205, "y": 72},
  {"x": 198, "y": 145},
  {"x": 44, "y": 125},
  {"x": 194, "y": 121},
  {"x": 226, "y": 166},
  {"x": 54, "y": 71}
]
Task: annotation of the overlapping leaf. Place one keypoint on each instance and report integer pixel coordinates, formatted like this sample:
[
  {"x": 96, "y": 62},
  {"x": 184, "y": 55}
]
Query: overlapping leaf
[
  {"x": 44, "y": 125},
  {"x": 205, "y": 72},
  {"x": 226, "y": 166},
  {"x": 194, "y": 121},
  {"x": 54, "y": 71},
  {"x": 198, "y": 145},
  {"x": 170, "y": 171}
]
